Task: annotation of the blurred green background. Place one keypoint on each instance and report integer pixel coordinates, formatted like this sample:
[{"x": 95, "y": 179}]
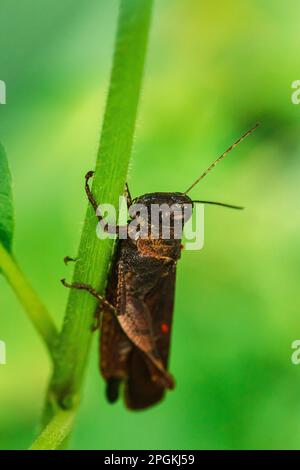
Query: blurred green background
[{"x": 213, "y": 70}]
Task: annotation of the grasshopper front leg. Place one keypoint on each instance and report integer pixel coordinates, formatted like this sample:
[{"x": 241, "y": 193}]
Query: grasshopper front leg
[{"x": 116, "y": 229}]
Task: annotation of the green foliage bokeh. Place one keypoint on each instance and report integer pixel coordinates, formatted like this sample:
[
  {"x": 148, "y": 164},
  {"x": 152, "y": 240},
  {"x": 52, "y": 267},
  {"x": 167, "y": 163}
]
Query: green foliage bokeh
[{"x": 211, "y": 73}]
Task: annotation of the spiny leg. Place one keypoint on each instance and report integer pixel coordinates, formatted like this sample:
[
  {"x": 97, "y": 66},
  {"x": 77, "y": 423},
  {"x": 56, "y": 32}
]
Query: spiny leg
[
  {"x": 128, "y": 196},
  {"x": 81, "y": 286},
  {"x": 90, "y": 195},
  {"x": 93, "y": 201},
  {"x": 88, "y": 191},
  {"x": 117, "y": 229}
]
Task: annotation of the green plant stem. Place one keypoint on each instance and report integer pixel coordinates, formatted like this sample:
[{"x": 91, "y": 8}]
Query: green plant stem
[
  {"x": 109, "y": 182},
  {"x": 57, "y": 431},
  {"x": 35, "y": 309}
]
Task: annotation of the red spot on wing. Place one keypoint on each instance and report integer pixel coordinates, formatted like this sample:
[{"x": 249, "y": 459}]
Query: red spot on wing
[{"x": 164, "y": 328}]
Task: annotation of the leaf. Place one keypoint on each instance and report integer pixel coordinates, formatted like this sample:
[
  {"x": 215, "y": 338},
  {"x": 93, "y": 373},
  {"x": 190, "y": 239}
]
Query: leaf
[
  {"x": 6, "y": 203},
  {"x": 31, "y": 302}
]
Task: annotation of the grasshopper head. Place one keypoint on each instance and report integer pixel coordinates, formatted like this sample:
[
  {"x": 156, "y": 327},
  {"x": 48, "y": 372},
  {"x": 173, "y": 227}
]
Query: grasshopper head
[{"x": 162, "y": 209}]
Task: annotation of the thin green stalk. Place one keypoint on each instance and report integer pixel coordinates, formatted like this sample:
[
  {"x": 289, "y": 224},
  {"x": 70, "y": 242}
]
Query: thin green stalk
[
  {"x": 57, "y": 431},
  {"x": 35, "y": 309},
  {"x": 109, "y": 181}
]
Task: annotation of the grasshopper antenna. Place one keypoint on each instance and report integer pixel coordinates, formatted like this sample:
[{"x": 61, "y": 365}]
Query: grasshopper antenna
[
  {"x": 230, "y": 206},
  {"x": 222, "y": 156}
]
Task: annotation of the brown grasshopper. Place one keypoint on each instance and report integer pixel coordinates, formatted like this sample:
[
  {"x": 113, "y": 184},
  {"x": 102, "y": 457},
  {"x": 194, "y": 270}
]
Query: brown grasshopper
[{"x": 137, "y": 309}]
